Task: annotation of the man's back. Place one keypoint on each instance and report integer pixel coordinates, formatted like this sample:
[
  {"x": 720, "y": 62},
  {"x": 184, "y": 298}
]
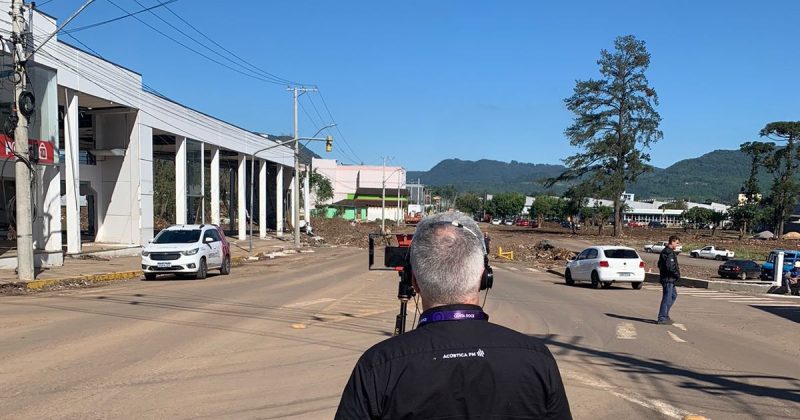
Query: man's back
[{"x": 456, "y": 369}]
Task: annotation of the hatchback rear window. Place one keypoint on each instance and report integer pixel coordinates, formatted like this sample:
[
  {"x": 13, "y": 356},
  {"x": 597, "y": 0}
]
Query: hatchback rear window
[
  {"x": 177, "y": 236},
  {"x": 620, "y": 253}
]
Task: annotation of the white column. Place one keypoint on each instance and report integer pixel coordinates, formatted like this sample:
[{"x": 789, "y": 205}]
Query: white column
[
  {"x": 279, "y": 201},
  {"x": 262, "y": 199},
  {"x": 180, "y": 180},
  {"x": 215, "y": 219},
  {"x": 307, "y": 197},
  {"x": 241, "y": 192},
  {"x": 145, "y": 174},
  {"x": 72, "y": 174},
  {"x": 293, "y": 197}
]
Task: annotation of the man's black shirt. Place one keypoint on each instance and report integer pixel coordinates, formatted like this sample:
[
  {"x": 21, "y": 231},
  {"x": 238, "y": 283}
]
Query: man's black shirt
[
  {"x": 456, "y": 369},
  {"x": 668, "y": 269}
]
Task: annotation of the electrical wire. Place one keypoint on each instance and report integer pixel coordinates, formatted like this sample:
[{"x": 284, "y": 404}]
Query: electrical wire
[
  {"x": 338, "y": 130},
  {"x": 94, "y": 25}
]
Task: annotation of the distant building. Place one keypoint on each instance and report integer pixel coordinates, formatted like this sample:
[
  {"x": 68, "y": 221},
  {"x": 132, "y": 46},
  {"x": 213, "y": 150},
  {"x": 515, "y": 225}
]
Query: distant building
[
  {"x": 649, "y": 211},
  {"x": 358, "y": 190},
  {"x": 742, "y": 198}
]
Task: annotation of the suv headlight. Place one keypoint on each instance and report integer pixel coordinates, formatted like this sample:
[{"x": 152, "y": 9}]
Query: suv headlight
[
  {"x": 190, "y": 251},
  {"x": 145, "y": 253}
]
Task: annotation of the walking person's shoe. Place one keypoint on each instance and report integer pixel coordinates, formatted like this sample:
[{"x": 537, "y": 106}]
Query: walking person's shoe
[{"x": 664, "y": 322}]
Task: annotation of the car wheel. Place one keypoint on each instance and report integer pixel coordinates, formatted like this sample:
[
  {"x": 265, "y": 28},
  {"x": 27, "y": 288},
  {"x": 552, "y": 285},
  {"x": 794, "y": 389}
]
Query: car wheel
[
  {"x": 226, "y": 265},
  {"x": 743, "y": 276},
  {"x": 693, "y": 255},
  {"x": 595, "y": 280},
  {"x": 606, "y": 284},
  {"x": 568, "y": 278},
  {"x": 149, "y": 276},
  {"x": 202, "y": 270},
  {"x": 718, "y": 257},
  {"x": 636, "y": 285}
]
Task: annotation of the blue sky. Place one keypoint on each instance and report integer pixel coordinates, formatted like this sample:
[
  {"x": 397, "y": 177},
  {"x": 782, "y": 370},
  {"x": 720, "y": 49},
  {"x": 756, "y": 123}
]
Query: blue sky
[{"x": 422, "y": 81}]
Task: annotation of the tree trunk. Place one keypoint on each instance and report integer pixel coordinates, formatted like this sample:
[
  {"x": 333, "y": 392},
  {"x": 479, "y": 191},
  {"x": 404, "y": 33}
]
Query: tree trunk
[{"x": 617, "y": 216}]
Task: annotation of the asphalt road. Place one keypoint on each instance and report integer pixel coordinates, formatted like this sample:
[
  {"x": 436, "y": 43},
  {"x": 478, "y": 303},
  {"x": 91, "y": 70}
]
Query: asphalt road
[{"x": 278, "y": 340}]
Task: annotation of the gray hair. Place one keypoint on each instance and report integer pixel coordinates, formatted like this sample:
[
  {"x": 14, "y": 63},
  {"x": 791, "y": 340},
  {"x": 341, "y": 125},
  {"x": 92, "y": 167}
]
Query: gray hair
[{"x": 447, "y": 258}]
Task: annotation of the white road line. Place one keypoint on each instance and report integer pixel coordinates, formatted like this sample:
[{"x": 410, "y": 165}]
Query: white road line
[
  {"x": 533, "y": 270},
  {"x": 513, "y": 268},
  {"x": 675, "y": 338},
  {"x": 626, "y": 331},
  {"x": 628, "y": 395},
  {"x": 737, "y": 298},
  {"x": 680, "y": 326},
  {"x": 788, "y": 305},
  {"x": 308, "y": 303}
]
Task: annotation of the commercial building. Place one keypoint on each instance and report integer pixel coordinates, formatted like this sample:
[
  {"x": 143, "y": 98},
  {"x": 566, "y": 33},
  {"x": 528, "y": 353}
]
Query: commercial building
[
  {"x": 100, "y": 138},
  {"x": 363, "y": 192}
]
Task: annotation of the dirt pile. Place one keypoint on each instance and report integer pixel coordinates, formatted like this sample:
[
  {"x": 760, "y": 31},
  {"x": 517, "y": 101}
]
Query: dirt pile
[{"x": 341, "y": 232}]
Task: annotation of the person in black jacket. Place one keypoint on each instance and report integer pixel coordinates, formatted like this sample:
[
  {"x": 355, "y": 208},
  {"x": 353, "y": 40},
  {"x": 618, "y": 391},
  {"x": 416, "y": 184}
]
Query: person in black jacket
[
  {"x": 455, "y": 364},
  {"x": 669, "y": 273}
]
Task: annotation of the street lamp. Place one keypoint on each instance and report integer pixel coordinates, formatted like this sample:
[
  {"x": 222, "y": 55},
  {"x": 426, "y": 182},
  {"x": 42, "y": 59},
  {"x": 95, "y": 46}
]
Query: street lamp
[{"x": 328, "y": 147}]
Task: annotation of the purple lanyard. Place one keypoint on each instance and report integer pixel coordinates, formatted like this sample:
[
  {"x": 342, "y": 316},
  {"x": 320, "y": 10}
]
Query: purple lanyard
[{"x": 459, "y": 315}]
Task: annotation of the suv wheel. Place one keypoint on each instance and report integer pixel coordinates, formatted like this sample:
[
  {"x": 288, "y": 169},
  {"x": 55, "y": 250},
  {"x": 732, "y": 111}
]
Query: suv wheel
[
  {"x": 568, "y": 278},
  {"x": 149, "y": 276},
  {"x": 693, "y": 255},
  {"x": 743, "y": 275},
  {"x": 225, "y": 269},
  {"x": 636, "y": 285},
  {"x": 202, "y": 270}
]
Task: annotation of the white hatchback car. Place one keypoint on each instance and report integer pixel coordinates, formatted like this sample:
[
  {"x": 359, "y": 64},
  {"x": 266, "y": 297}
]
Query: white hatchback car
[
  {"x": 604, "y": 265},
  {"x": 187, "y": 249}
]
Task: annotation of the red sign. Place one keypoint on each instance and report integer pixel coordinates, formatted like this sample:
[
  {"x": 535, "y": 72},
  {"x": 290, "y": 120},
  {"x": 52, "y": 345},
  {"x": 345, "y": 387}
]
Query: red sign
[{"x": 41, "y": 152}]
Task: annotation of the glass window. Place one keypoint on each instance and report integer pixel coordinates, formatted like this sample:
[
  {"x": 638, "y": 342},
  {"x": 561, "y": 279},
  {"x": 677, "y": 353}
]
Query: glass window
[
  {"x": 186, "y": 236},
  {"x": 621, "y": 253},
  {"x": 592, "y": 254},
  {"x": 211, "y": 233},
  {"x": 583, "y": 254}
]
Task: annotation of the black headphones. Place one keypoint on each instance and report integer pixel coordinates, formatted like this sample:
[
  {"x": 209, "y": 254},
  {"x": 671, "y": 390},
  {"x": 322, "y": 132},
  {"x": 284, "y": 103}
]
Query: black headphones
[{"x": 487, "y": 278}]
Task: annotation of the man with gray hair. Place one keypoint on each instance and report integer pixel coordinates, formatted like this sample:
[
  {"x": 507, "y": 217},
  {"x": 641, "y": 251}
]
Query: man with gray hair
[{"x": 455, "y": 364}]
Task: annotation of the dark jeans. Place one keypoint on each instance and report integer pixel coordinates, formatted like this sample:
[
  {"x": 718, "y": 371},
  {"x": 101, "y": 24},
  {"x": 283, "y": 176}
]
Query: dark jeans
[{"x": 668, "y": 296}]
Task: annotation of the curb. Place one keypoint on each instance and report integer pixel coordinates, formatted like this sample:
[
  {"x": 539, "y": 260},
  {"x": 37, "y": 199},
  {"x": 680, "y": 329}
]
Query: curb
[
  {"x": 701, "y": 284},
  {"x": 37, "y": 285}
]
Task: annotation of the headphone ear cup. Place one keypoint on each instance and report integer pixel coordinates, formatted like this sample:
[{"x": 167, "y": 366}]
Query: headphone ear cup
[{"x": 487, "y": 278}]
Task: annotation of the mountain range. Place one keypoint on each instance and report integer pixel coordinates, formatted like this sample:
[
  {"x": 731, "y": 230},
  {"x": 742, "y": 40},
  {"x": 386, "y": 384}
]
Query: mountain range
[{"x": 715, "y": 176}]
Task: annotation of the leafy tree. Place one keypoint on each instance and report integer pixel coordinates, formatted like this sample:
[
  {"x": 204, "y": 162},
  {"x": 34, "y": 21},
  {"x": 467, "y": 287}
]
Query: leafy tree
[
  {"x": 600, "y": 215},
  {"x": 469, "y": 203},
  {"x": 758, "y": 152},
  {"x": 743, "y": 216},
  {"x": 783, "y": 166},
  {"x": 615, "y": 121},
  {"x": 320, "y": 186},
  {"x": 716, "y": 218},
  {"x": 698, "y": 216},
  {"x": 506, "y": 204},
  {"x": 675, "y": 205},
  {"x": 545, "y": 206}
]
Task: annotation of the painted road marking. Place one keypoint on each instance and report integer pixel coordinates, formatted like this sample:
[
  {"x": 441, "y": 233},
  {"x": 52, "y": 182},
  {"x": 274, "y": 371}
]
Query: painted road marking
[
  {"x": 533, "y": 270},
  {"x": 308, "y": 303},
  {"x": 513, "y": 268},
  {"x": 788, "y": 305},
  {"x": 628, "y": 395},
  {"x": 674, "y": 337},
  {"x": 626, "y": 331},
  {"x": 680, "y": 326}
]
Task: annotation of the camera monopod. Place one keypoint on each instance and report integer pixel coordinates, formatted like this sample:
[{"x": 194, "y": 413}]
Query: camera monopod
[{"x": 396, "y": 258}]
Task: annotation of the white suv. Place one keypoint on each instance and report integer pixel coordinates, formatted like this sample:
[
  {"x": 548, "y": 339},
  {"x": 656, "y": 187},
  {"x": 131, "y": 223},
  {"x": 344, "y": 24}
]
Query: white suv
[{"x": 187, "y": 249}]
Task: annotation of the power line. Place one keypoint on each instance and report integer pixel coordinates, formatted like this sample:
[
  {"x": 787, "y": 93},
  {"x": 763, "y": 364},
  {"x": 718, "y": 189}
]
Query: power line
[
  {"x": 94, "y": 25},
  {"x": 198, "y": 52},
  {"x": 229, "y": 51},
  {"x": 338, "y": 130}
]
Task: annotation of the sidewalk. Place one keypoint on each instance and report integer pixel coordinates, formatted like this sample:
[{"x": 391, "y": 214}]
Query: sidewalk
[{"x": 90, "y": 267}]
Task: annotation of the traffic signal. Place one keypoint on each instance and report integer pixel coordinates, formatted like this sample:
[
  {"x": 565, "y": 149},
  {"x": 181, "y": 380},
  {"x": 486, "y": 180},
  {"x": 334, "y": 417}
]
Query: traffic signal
[{"x": 329, "y": 144}]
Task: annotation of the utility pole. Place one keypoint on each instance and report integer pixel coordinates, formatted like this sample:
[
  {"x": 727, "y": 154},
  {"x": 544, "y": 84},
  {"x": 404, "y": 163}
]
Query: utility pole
[
  {"x": 22, "y": 168},
  {"x": 398, "y": 198},
  {"x": 297, "y": 91}
]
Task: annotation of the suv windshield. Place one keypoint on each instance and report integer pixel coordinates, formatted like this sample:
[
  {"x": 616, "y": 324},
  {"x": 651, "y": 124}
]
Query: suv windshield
[
  {"x": 620, "y": 253},
  {"x": 177, "y": 236}
]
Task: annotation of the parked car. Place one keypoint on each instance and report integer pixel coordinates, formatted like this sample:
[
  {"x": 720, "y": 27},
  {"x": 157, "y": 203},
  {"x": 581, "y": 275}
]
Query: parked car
[
  {"x": 566, "y": 224},
  {"x": 790, "y": 260},
  {"x": 659, "y": 246},
  {"x": 533, "y": 224},
  {"x": 604, "y": 265},
  {"x": 187, "y": 249},
  {"x": 523, "y": 222},
  {"x": 741, "y": 269},
  {"x": 635, "y": 224},
  {"x": 508, "y": 222},
  {"x": 496, "y": 221},
  {"x": 713, "y": 253},
  {"x": 656, "y": 225}
]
